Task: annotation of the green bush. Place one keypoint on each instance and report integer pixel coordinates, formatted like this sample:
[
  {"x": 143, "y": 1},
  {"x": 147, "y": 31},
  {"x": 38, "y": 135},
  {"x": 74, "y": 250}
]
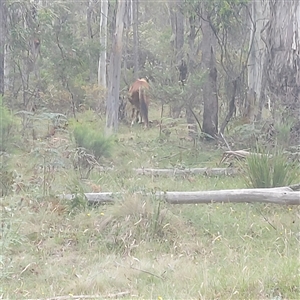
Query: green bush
[
  {"x": 93, "y": 141},
  {"x": 266, "y": 170}
]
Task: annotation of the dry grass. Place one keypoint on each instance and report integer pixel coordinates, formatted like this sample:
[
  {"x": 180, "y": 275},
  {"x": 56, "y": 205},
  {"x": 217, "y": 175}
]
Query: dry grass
[{"x": 147, "y": 248}]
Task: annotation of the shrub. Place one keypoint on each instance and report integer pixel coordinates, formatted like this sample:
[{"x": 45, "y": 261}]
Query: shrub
[
  {"x": 92, "y": 146},
  {"x": 93, "y": 141},
  {"x": 266, "y": 170},
  {"x": 6, "y": 175}
]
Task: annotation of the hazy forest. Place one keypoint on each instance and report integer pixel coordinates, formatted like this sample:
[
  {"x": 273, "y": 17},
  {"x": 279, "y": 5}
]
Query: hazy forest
[{"x": 88, "y": 193}]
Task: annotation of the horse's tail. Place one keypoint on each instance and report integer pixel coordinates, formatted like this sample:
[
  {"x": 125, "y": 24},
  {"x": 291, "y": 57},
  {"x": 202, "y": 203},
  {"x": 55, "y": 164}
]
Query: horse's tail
[{"x": 143, "y": 105}]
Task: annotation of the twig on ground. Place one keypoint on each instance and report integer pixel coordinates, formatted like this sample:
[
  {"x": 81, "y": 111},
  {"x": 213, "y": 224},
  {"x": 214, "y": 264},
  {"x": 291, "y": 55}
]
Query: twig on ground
[
  {"x": 222, "y": 136},
  {"x": 147, "y": 272}
]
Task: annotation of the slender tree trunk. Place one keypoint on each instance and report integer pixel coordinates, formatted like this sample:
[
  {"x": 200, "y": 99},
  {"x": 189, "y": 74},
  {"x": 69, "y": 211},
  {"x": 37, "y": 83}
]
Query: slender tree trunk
[
  {"x": 179, "y": 32},
  {"x": 112, "y": 103},
  {"x": 126, "y": 42},
  {"x": 103, "y": 44},
  {"x": 135, "y": 7},
  {"x": 177, "y": 25},
  {"x": 35, "y": 44},
  {"x": 191, "y": 41},
  {"x": 2, "y": 44},
  {"x": 211, "y": 106},
  {"x": 191, "y": 59},
  {"x": 90, "y": 36}
]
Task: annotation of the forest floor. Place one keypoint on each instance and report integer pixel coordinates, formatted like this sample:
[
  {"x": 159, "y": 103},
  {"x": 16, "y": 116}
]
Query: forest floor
[{"x": 139, "y": 247}]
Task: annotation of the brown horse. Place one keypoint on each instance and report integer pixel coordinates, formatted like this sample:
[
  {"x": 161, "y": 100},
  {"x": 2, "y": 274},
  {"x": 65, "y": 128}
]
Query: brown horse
[{"x": 139, "y": 100}]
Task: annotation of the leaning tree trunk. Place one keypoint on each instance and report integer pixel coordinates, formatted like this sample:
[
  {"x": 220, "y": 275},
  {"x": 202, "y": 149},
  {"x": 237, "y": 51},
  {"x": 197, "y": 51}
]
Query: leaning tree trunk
[
  {"x": 112, "y": 102},
  {"x": 210, "y": 97}
]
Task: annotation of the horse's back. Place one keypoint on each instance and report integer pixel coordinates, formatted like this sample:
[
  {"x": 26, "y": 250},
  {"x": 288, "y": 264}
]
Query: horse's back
[
  {"x": 134, "y": 91},
  {"x": 139, "y": 83}
]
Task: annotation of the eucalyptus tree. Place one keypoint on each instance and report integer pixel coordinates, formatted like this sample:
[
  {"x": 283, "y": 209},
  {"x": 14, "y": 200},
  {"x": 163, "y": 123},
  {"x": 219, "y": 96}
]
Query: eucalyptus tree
[
  {"x": 176, "y": 9},
  {"x": 210, "y": 94},
  {"x": 274, "y": 65},
  {"x": 112, "y": 102},
  {"x": 23, "y": 49},
  {"x": 92, "y": 21},
  {"x": 103, "y": 44},
  {"x": 199, "y": 17}
]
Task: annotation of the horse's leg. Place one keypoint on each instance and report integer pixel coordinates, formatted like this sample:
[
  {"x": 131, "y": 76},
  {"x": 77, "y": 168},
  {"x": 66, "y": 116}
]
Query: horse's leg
[
  {"x": 138, "y": 116},
  {"x": 132, "y": 116}
]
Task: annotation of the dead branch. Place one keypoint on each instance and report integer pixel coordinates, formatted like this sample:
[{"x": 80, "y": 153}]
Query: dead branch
[{"x": 238, "y": 154}]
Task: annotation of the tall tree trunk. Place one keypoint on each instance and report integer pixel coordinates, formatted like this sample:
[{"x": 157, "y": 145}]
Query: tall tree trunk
[
  {"x": 256, "y": 63},
  {"x": 2, "y": 44},
  {"x": 283, "y": 63},
  {"x": 211, "y": 106},
  {"x": 191, "y": 59},
  {"x": 103, "y": 44},
  {"x": 135, "y": 7},
  {"x": 127, "y": 27},
  {"x": 274, "y": 65},
  {"x": 191, "y": 40},
  {"x": 90, "y": 36},
  {"x": 36, "y": 43},
  {"x": 179, "y": 32},
  {"x": 112, "y": 103},
  {"x": 177, "y": 24}
]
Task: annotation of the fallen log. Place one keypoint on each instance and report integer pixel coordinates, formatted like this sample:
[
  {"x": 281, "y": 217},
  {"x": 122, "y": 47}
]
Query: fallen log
[
  {"x": 198, "y": 171},
  {"x": 281, "y": 195},
  {"x": 284, "y": 196}
]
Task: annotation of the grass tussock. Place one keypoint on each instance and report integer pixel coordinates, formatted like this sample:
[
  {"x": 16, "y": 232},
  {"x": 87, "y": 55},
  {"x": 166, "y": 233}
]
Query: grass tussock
[
  {"x": 267, "y": 170},
  {"x": 137, "y": 221}
]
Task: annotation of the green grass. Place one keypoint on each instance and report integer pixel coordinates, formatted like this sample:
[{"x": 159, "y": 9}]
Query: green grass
[{"x": 150, "y": 249}]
